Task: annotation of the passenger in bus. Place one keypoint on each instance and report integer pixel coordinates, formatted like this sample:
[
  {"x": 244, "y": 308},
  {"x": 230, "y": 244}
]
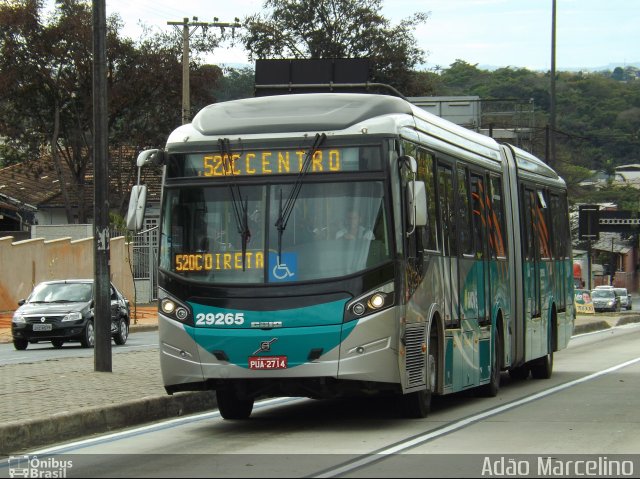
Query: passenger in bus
[{"x": 353, "y": 229}]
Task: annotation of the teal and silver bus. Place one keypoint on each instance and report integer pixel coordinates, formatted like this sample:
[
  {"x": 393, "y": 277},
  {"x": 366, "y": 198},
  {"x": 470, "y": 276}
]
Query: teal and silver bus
[{"x": 332, "y": 244}]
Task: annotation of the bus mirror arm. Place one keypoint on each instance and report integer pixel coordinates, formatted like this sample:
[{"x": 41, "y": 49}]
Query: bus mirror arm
[
  {"x": 410, "y": 162},
  {"x": 151, "y": 157}
]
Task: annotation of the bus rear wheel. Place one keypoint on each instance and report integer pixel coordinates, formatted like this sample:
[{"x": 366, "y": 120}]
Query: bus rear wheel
[
  {"x": 542, "y": 368},
  {"x": 231, "y": 406}
]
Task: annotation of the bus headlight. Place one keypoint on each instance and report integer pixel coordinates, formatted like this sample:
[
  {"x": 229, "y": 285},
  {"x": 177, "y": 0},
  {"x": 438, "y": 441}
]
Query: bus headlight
[
  {"x": 376, "y": 301},
  {"x": 373, "y": 301},
  {"x": 174, "y": 309},
  {"x": 168, "y": 306}
]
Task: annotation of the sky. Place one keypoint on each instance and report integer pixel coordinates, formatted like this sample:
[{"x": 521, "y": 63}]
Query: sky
[{"x": 490, "y": 33}]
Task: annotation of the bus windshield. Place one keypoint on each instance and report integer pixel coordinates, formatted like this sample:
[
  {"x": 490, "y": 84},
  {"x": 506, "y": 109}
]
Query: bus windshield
[{"x": 335, "y": 229}]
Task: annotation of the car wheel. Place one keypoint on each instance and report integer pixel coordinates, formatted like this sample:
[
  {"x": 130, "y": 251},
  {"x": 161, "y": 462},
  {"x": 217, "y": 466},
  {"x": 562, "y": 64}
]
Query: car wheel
[
  {"x": 20, "y": 344},
  {"x": 88, "y": 338},
  {"x": 57, "y": 343},
  {"x": 123, "y": 332}
]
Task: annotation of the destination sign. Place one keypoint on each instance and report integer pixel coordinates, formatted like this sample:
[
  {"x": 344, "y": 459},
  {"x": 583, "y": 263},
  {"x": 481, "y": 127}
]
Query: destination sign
[
  {"x": 274, "y": 162},
  {"x": 189, "y": 262}
]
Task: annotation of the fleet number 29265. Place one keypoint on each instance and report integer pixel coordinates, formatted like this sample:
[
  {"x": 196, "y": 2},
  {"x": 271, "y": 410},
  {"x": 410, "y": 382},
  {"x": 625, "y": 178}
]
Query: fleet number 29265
[{"x": 219, "y": 319}]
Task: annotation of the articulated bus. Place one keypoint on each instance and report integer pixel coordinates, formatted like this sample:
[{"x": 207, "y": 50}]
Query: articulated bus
[{"x": 333, "y": 244}]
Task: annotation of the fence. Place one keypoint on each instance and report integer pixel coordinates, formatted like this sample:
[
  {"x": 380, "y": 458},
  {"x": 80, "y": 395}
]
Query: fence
[{"x": 144, "y": 261}]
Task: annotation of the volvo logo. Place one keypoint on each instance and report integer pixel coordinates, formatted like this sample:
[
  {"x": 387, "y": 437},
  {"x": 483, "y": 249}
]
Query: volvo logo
[{"x": 265, "y": 346}]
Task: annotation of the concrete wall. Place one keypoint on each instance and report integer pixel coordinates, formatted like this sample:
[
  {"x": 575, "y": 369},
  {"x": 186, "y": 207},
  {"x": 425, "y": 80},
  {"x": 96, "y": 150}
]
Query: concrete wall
[
  {"x": 23, "y": 264},
  {"x": 51, "y": 232}
]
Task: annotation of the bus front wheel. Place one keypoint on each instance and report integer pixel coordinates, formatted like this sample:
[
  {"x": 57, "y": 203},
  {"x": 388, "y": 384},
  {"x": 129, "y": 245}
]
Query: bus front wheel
[{"x": 231, "y": 406}]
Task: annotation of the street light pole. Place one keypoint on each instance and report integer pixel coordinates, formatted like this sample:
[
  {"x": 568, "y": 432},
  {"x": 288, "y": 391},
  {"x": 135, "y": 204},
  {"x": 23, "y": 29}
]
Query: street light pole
[{"x": 551, "y": 159}]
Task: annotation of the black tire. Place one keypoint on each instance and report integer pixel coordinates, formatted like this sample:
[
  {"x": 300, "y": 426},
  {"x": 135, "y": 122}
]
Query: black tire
[
  {"x": 57, "y": 343},
  {"x": 123, "y": 332},
  {"x": 20, "y": 344},
  {"x": 88, "y": 338},
  {"x": 542, "y": 368},
  {"x": 417, "y": 405},
  {"x": 231, "y": 406},
  {"x": 520, "y": 373},
  {"x": 491, "y": 389}
]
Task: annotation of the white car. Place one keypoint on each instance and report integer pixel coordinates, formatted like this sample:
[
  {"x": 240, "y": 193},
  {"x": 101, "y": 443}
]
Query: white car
[{"x": 625, "y": 298}]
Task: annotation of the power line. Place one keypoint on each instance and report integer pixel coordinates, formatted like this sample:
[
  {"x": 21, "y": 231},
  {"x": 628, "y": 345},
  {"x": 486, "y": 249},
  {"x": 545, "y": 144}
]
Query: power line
[{"x": 189, "y": 27}]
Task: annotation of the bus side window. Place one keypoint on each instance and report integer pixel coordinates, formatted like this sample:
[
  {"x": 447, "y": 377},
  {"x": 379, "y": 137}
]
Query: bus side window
[
  {"x": 478, "y": 212},
  {"x": 427, "y": 175}
]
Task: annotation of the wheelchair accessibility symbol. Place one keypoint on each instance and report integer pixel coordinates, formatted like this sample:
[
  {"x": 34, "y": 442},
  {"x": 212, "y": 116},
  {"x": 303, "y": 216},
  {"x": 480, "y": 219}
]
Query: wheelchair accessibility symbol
[{"x": 285, "y": 270}]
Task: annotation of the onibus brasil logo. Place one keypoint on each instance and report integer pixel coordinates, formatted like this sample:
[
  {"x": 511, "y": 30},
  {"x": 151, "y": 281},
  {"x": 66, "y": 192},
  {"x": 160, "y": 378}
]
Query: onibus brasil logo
[{"x": 33, "y": 466}]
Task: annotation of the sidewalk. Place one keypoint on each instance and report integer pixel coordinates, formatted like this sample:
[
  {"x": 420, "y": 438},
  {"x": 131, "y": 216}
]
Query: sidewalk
[{"x": 62, "y": 399}]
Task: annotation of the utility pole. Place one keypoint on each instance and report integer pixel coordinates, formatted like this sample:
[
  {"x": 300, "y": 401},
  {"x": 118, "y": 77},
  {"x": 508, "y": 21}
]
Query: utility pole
[
  {"x": 188, "y": 29},
  {"x": 102, "y": 284}
]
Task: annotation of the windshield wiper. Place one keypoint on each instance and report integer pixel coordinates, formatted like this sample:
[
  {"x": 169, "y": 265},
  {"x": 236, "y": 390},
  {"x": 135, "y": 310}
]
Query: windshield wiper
[
  {"x": 285, "y": 212},
  {"x": 239, "y": 208}
]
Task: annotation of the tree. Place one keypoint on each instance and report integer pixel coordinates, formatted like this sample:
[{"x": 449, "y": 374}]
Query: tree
[
  {"x": 46, "y": 90},
  {"x": 236, "y": 84},
  {"x": 337, "y": 29}
]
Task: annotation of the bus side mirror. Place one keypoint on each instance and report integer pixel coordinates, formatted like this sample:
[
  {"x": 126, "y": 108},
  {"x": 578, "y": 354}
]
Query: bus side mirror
[
  {"x": 137, "y": 205},
  {"x": 416, "y": 205}
]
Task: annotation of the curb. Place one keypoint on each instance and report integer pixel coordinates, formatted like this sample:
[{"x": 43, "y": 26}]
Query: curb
[
  {"x": 590, "y": 327},
  {"x": 634, "y": 318},
  {"x": 141, "y": 328},
  {"x": 19, "y": 435},
  {"x": 602, "y": 324}
]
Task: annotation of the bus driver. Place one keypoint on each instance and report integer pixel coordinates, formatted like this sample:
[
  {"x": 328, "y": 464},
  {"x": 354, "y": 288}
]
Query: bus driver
[{"x": 353, "y": 229}]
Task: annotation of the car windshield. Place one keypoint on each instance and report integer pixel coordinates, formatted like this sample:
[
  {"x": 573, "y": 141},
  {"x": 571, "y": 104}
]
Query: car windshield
[
  {"x": 621, "y": 291},
  {"x": 61, "y": 292},
  {"x": 603, "y": 293}
]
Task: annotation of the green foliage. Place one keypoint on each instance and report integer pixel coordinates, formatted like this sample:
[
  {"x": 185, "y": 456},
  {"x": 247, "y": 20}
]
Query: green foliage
[
  {"x": 10, "y": 154},
  {"x": 46, "y": 83},
  {"x": 337, "y": 29},
  {"x": 598, "y": 116},
  {"x": 235, "y": 84}
]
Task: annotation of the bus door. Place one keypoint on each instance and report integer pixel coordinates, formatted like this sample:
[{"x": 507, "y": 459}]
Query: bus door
[
  {"x": 531, "y": 272},
  {"x": 481, "y": 244},
  {"x": 468, "y": 284},
  {"x": 449, "y": 242}
]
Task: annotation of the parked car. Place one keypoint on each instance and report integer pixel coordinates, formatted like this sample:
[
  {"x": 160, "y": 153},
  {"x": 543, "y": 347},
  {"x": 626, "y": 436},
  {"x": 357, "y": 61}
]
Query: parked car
[
  {"x": 625, "y": 298},
  {"x": 605, "y": 299},
  {"x": 63, "y": 311}
]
